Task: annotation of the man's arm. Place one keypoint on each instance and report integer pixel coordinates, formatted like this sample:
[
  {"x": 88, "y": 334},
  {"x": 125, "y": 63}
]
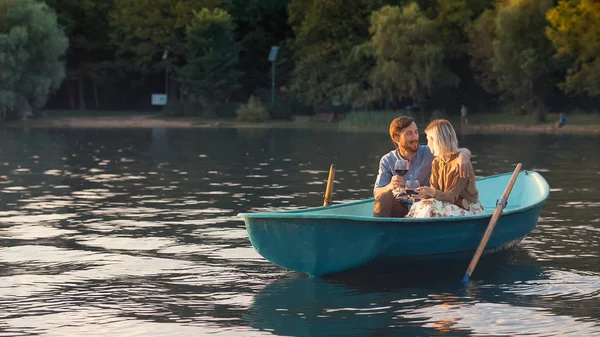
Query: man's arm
[
  {"x": 386, "y": 181},
  {"x": 464, "y": 159},
  {"x": 382, "y": 189}
]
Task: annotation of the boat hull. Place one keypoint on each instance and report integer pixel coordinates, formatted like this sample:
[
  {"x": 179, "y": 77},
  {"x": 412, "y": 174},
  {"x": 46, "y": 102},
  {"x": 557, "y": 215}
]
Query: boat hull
[
  {"x": 339, "y": 238},
  {"x": 328, "y": 246}
]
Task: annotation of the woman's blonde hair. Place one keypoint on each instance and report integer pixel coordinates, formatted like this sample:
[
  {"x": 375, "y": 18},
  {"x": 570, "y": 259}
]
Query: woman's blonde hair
[{"x": 445, "y": 136}]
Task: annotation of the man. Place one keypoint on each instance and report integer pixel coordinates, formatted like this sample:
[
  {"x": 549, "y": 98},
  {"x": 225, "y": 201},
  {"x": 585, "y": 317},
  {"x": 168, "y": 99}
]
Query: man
[
  {"x": 405, "y": 135},
  {"x": 463, "y": 116},
  {"x": 562, "y": 121}
]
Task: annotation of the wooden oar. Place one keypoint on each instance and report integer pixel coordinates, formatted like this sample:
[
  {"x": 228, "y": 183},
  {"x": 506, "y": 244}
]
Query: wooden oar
[
  {"x": 492, "y": 224},
  {"x": 330, "y": 180}
]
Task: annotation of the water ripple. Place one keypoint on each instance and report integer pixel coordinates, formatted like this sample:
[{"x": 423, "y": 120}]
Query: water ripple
[{"x": 494, "y": 319}]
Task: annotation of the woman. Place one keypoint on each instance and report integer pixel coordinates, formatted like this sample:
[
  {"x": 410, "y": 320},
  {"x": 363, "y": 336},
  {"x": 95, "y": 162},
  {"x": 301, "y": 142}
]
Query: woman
[{"x": 449, "y": 194}]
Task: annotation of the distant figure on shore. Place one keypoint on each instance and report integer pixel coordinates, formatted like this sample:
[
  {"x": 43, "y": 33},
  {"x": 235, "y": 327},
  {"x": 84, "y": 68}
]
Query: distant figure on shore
[
  {"x": 463, "y": 115},
  {"x": 562, "y": 121}
]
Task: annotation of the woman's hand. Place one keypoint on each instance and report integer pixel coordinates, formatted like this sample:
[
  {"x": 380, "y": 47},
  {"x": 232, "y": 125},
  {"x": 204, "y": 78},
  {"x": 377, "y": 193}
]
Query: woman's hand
[{"x": 425, "y": 192}]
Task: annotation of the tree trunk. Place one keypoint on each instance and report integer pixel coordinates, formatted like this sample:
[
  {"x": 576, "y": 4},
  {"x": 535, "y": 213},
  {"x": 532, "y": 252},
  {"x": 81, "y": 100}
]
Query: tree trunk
[
  {"x": 71, "y": 94},
  {"x": 540, "y": 110},
  {"x": 96, "y": 93},
  {"x": 172, "y": 94},
  {"x": 81, "y": 82}
]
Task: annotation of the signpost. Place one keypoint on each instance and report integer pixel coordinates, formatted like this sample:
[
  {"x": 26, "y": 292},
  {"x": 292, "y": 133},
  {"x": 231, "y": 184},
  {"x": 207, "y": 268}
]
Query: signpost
[
  {"x": 164, "y": 57},
  {"x": 272, "y": 58},
  {"x": 159, "y": 99}
]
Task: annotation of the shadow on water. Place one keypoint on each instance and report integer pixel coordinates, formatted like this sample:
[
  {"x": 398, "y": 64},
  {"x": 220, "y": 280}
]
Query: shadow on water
[{"x": 418, "y": 300}]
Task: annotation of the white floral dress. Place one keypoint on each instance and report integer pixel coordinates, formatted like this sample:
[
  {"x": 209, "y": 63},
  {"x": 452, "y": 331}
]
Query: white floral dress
[{"x": 431, "y": 208}]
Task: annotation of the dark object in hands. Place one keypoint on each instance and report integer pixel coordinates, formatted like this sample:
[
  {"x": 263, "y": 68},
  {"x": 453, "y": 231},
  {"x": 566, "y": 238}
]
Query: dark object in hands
[{"x": 411, "y": 192}]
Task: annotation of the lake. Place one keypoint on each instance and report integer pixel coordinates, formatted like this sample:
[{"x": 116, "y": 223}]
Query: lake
[{"x": 135, "y": 233}]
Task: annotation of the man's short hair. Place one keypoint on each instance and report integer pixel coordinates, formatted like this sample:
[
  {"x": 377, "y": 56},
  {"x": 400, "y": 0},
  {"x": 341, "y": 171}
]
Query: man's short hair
[{"x": 399, "y": 124}]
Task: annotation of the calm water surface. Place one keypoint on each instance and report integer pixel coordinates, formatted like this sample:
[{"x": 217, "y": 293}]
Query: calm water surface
[{"x": 134, "y": 233}]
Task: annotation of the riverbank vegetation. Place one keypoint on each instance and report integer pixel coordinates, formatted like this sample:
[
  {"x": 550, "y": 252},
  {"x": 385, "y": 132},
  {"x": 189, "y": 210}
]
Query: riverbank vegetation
[{"x": 365, "y": 60}]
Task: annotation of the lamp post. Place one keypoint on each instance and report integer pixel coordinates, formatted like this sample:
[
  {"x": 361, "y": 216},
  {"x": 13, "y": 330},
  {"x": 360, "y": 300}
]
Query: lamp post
[
  {"x": 164, "y": 57},
  {"x": 272, "y": 58}
]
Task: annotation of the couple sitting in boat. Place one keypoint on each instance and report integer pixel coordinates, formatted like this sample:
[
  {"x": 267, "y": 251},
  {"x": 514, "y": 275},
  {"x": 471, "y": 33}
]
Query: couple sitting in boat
[{"x": 443, "y": 173}]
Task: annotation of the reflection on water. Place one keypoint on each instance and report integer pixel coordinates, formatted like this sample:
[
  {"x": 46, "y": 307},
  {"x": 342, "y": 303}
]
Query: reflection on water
[
  {"x": 422, "y": 303},
  {"x": 135, "y": 233}
]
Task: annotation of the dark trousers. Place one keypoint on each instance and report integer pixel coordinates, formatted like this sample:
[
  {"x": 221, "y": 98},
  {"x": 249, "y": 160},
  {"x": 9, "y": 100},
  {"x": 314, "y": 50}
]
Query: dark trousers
[{"x": 387, "y": 206}]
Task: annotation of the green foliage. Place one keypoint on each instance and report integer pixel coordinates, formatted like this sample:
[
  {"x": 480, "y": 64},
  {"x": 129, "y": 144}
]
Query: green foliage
[
  {"x": 574, "y": 30},
  {"x": 85, "y": 23},
  {"x": 482, "y": 33},
  {"x": 32, "y": 47},
  {"x": 326, "y": 32},
  {"x": 253, "y": 112},
  {"x": 409, "y": 55},
  {"x": 212, "y": 54},
  {"x": 143, "y": 29},
  {"x": 261, "y": 24},
  {"x": 453, "y": 16},
  {"x": 521, "y": 49},
  {"x": 518, "y": 62}
]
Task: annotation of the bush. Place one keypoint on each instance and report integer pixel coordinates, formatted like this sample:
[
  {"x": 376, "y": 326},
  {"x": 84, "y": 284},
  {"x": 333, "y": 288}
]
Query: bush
[{"x": 253, "y": 112}]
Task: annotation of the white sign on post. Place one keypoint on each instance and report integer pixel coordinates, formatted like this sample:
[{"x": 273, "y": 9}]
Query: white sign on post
[
  {"x": 159, "y": 99},
  {"x": 273, "y": 53}
]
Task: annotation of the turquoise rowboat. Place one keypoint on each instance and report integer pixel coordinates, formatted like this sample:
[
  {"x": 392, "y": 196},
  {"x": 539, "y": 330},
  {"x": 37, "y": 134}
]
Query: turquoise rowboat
[{"x": 325, "y": 240}]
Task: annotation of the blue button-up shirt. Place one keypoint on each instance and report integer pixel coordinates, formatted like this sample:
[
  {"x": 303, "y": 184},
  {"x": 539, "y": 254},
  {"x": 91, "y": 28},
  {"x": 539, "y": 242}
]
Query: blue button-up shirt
[{"x": 420, "y": 167}]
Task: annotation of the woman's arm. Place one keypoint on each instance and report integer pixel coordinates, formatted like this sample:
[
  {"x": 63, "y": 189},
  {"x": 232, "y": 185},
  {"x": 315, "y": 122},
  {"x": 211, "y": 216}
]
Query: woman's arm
[
  {"x": 426, "y": 192},
  {"x": 452, "y": 195}
]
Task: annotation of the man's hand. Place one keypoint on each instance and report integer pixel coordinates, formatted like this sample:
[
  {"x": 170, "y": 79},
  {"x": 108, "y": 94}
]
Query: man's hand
[
  {"x": 397, "y": 181},
  {"x": 463, "y": 164}
]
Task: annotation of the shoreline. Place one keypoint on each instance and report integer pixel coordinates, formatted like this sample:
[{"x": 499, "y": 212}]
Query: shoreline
[{"x": 151, "y": 121}]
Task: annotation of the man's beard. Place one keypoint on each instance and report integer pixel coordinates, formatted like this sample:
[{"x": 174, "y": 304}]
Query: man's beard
[{"x": 411, "y": 147}]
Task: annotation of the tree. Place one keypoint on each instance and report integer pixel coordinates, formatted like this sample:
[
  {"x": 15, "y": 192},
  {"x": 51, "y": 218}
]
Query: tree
[
  {"x": 326, "y": 32},
  {"x": 574, "y": 28},
  {"x": 150, "y": 34},
  {"x": 259, "y": 25},
  {"x": 452, "y": 18},
  {"x": 517, "y": 63},
  {"x": 482, "y": 33},
  {"x": 32, "y": 47},
  {"x": 409, "y": 54},
  {"x": 523, "y": 53},
  {"x": 89, "y": 56},
  {"x": 212, "y": 55}
]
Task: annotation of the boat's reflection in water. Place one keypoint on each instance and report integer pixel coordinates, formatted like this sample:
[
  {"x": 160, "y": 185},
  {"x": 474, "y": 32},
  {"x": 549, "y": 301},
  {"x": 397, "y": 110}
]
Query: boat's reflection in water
[{"x": 412, "y": 301}]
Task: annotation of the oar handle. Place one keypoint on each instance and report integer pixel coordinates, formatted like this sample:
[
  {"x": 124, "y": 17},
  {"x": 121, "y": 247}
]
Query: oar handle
[
  {"x": 488, "y": 232},
  {"x": 330, "y": 180}
]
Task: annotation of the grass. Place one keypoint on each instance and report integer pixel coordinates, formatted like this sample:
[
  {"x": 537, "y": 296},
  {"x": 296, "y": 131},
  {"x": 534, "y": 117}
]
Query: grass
[
  {"x": 576, "y": 118},
  {"x": 354, "y": 120},
  {"x": 366, "y": 119},
  {"x": 370, "y": 118}
]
